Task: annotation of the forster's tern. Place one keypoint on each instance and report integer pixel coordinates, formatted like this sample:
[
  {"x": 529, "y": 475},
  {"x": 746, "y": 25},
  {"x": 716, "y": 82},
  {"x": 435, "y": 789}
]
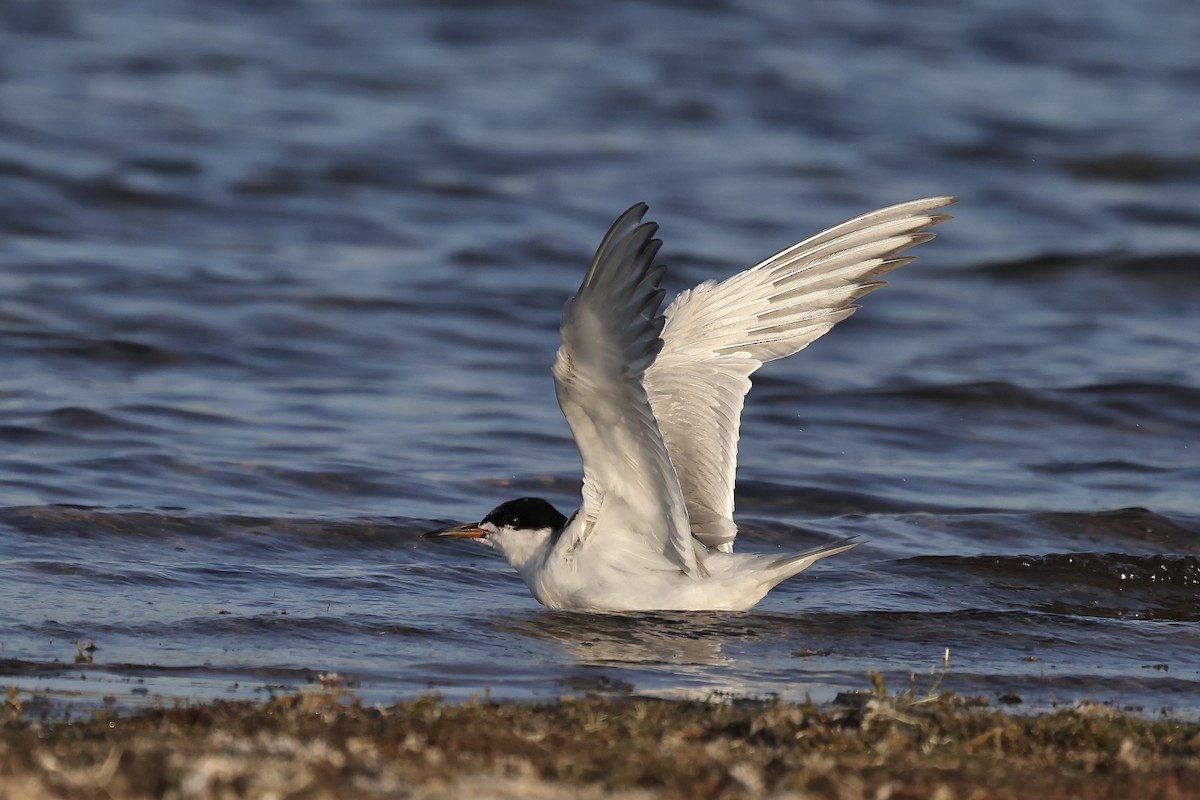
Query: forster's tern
[{"x": 654, "y": 401}]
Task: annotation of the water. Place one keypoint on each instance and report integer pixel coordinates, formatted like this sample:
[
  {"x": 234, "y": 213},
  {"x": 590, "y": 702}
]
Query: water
[{"x": 280, "y": 285}]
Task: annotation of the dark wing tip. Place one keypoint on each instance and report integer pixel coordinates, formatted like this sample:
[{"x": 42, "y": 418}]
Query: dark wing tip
[{"x": 622, "y": 229}]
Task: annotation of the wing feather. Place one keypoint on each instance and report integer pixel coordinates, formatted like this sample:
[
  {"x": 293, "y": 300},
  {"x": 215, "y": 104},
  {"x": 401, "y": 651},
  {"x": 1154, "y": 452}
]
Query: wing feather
[
  {"x": 718, "y": 334},
  {"x": 610, "y": 336}
]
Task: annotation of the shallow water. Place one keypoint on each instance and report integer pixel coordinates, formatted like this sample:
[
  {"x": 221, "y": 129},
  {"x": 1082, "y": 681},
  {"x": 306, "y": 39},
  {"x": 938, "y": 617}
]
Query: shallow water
[{"x": 280, "y": 285}]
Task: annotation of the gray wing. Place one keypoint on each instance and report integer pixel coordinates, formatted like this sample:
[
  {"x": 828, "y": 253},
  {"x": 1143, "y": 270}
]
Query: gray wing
[
  {"x": 718, "y": 334},
  {"x": 610, "y": 337}
]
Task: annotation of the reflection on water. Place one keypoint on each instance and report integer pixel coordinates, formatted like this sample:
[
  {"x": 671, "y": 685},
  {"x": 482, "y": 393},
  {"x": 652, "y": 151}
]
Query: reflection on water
[{"x": 674, "y": 641}]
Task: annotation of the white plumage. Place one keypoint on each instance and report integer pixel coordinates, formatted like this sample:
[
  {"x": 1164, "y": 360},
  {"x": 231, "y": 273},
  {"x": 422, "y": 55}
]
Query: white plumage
[{"x": 655, "y": 401}]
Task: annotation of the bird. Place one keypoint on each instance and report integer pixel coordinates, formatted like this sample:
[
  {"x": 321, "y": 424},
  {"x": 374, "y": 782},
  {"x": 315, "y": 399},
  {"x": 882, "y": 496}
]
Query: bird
[{"x": 654, "y": 400}]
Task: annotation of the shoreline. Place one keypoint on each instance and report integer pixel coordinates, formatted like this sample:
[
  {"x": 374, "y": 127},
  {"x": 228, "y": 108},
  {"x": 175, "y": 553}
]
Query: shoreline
[{"x": 325, "y": 742}]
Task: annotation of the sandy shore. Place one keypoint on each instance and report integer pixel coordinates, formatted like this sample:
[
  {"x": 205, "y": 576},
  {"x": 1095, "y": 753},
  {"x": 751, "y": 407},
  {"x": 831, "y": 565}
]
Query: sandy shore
[{"x": 325, "y": 743}]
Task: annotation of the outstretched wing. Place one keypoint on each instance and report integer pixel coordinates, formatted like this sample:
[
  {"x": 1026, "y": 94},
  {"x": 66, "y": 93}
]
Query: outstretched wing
[
  {"x": 610, "y": 337},
  {"x": 718, "y": 334}
]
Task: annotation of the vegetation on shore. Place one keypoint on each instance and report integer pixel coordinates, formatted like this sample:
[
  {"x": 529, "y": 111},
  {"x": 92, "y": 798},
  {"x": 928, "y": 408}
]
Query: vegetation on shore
[{"x": 326, "y": 743}]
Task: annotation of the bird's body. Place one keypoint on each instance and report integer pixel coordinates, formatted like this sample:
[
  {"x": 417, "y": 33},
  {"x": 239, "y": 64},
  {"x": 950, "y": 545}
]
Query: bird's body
[
  {"x": 620, "y": 573},
  {"x": 655, "y": 402}
]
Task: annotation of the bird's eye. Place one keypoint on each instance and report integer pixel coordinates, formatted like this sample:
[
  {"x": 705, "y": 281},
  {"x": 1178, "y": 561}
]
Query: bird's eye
[{"x": 513, "y": 522}]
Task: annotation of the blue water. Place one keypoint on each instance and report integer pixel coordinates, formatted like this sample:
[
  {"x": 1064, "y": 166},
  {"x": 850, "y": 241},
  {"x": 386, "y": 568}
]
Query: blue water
[{"x": 280, "y": 286}]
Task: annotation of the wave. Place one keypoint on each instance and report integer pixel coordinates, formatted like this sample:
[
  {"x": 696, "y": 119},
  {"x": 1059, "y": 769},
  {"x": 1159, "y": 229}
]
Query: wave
[
  {"x": 1106, "y": 585},
  {"x": 1169, "y": 271}
]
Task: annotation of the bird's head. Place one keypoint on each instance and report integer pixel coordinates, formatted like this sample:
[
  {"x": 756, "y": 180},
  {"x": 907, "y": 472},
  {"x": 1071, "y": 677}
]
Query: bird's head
[{"x": 518, "y": 528}]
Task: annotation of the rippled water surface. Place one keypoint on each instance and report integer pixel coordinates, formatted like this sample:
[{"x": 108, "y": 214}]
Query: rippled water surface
[{"x": 280, "y": 286}]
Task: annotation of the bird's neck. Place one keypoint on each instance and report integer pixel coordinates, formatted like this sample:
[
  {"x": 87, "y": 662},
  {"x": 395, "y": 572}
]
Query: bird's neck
[{"x": 525, "y": 550}]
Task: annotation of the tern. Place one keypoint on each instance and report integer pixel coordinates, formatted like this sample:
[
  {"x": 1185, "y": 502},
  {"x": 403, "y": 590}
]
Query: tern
[{"x": 654, "y": 401}]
